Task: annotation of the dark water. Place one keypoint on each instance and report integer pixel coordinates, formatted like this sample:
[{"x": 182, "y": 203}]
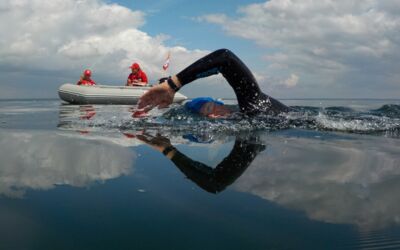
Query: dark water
[{"x": 325, "y": 176}]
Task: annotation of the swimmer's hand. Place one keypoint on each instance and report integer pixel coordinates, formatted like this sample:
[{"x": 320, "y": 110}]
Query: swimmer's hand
[
  {"x": 160, "y": 96},
  {"x": 157, "y": 142}
]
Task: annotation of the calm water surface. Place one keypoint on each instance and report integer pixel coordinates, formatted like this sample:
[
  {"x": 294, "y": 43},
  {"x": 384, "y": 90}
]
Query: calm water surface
[{"x": 77, "y": 177}]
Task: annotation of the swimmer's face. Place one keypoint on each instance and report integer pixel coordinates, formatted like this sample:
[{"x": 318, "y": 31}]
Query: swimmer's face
[{"x": 213, "y": 110}]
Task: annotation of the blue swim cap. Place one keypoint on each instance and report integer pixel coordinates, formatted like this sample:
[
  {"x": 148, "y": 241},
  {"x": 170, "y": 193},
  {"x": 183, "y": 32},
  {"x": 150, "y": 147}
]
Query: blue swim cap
[
  {"x": 198, "y": 138},
  {"x": 196, "y": 104}
]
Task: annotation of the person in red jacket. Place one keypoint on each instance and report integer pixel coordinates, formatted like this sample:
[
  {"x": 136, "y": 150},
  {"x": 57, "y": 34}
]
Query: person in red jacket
[
  {"x": 138, "y": 77},
  {"x": 85, "y": 78}
]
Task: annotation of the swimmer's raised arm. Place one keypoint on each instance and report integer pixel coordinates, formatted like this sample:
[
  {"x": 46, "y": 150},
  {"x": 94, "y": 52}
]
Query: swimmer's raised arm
[{"x": 250, "y": 98}]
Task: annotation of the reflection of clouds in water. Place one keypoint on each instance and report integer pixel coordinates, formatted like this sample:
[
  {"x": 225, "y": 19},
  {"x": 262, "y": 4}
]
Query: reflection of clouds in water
[
  {"x": 337, "y": 181},
  {"x": 38, "y": 160}
]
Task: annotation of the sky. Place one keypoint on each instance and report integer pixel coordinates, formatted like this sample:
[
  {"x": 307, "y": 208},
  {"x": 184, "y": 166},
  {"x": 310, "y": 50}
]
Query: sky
[{"x": 295, "y": 48}]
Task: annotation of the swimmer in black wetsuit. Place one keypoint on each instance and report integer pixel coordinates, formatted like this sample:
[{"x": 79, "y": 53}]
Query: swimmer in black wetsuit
[
  {"x": 251, "y": 99},
  {"x": 213, "y": 180}
]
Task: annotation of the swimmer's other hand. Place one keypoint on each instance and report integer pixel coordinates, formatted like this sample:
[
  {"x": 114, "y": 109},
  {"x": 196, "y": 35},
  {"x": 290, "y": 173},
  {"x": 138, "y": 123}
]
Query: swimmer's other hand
[{"x": 158, "y": 142}]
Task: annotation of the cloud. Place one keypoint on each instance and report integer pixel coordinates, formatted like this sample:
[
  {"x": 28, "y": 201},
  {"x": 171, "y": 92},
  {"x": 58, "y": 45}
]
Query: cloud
[
  {"x": 49, "y": 160},
  {"x": 331, "y": 45},
  {"x": 63, "y": 37},
  {"x": 292, "y": 81},
  {"x": 341, "y": 181}
]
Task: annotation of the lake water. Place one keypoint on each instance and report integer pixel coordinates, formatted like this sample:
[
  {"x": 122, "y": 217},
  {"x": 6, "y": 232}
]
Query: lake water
[{"x": 326, "y": 176}]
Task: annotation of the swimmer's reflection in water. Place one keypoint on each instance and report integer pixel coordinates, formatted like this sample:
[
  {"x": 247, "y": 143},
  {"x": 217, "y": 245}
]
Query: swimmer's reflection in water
[{"x": 213, "y": 180}]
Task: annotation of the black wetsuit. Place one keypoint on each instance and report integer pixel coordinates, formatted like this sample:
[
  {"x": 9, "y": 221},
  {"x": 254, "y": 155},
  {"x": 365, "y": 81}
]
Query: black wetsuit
[
  {"x": 250, "y": 98},
  {"x": 216, "y": 179}
]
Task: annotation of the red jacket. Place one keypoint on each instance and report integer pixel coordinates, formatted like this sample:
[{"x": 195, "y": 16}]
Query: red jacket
[
  {"x": 139, "y": 76},
  {"x": 86, "y": 82}
]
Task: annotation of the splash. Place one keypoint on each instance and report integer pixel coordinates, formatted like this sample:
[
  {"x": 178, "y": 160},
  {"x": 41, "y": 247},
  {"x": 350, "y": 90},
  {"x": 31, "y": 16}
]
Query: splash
[{"x": 382, "y": 121}]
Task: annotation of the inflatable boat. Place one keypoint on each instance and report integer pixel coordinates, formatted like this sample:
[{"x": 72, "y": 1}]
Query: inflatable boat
[{"x": 105, "y": 94}]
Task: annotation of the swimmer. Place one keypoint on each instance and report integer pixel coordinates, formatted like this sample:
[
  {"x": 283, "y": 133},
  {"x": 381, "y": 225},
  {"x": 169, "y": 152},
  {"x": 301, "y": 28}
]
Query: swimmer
[
  {"x": 209, "y": 107},
  {"x": 251, "y": 99}
]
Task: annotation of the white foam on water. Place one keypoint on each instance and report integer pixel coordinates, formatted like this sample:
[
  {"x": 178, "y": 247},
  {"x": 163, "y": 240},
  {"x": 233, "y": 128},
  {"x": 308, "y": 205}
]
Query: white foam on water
[{"x": 367, "y": 124}]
